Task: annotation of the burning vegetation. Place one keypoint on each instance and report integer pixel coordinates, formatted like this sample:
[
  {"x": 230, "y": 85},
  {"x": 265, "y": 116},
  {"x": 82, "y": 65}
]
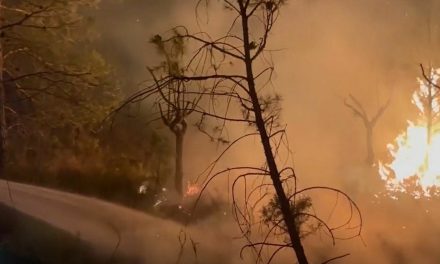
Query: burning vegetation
[
  {"x": 223, "y": 126},
  {"x": 415, "y": 153}
]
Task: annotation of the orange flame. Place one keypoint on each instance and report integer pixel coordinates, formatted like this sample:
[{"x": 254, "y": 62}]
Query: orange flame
[
  {"x": 192, "y": 189},
  {"x": 415, "y": 158}
]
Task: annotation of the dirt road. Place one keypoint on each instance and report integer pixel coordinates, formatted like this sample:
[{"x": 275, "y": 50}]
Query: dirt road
[{"x": 109, "y": 227}]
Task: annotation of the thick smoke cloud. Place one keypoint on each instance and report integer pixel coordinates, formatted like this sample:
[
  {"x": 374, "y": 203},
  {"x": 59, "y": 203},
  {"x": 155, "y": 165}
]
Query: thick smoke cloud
[{"x": 323, "y": 51}]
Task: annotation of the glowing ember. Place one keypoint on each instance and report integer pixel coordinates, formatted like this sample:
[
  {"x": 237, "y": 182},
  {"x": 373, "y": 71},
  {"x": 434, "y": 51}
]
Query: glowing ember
[
  {"x": 192, "y": 189},
  {"x": 416, "y": 152}
]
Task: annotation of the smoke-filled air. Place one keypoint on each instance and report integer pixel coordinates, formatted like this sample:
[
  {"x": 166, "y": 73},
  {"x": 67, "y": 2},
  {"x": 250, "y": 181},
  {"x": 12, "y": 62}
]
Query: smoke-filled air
[{"x": 219, "y": 131}]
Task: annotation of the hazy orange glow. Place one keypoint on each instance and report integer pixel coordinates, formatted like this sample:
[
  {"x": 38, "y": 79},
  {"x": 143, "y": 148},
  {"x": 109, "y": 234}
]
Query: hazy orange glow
[{"x": 415, "y": 158}]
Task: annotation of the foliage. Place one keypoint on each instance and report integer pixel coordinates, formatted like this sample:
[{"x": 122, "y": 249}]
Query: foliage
[
  {"x": 50, "y": 63},
  {"x": 272, "y": 216},
  {"x": 173, "y": 53},
  {"x": 111, "y": 164},
  {"x": 59, "y": 89}
]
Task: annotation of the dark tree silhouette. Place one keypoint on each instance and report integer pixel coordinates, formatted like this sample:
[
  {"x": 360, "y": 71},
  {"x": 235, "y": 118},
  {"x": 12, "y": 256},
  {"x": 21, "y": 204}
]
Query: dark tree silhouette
[
  {"x": 428, "y": 98},
  {"x": 369, "y": 123},
  {"x": 174, "y": 100},
  {"x": 171, "y": 96}
]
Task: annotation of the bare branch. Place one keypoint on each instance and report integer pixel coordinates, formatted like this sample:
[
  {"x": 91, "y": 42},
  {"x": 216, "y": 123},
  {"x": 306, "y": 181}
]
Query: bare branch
[
  {"x": 335, "y": 258},
  {"x": 427, "y": 78}
]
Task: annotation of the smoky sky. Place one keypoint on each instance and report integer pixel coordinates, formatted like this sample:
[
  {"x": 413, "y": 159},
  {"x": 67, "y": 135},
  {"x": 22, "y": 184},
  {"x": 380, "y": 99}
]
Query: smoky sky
[
  {"x": 395, "y": 31},
  {"x": 125, "y": 27},
  {"x": 322, "y": 51}
]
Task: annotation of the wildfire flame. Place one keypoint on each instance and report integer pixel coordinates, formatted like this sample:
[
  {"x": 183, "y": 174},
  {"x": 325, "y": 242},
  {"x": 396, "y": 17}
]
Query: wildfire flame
[
  {"x": 192, "y": 190},
  {"x": 415, "y": 153}
]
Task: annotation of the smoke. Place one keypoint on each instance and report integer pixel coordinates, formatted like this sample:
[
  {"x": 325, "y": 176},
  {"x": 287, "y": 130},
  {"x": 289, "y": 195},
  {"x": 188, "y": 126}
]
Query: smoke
[{"x": 323, "y": 51}]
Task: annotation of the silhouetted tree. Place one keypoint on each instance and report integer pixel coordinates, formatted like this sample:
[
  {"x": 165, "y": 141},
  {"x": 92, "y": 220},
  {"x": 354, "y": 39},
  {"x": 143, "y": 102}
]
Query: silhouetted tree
[
  {"x": 172, "y": 98},
  {"x": 175, "y": 102},
  {"x": 369, "y": 123},
  {"x": 427, "y": 99}
]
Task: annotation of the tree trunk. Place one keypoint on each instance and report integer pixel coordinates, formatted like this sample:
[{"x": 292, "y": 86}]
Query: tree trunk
[
  {"x": 178, "y": 176},
  {"x": 274, "y": 173},
  {"x": 370, "y": 150},
  {"x": 429, "y": 117},
  {"x": 2, "y": 104}
]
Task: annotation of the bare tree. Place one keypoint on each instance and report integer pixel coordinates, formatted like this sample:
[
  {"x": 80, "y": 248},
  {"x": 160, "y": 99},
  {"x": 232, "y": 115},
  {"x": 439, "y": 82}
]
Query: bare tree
[
  {"x": 174, "y": 114},
  {"x": 235, "y": 69},
  {"x": 427, "y": 99},
  {"x": 173, "y": 100},
  {"x": 369, "y": 123}
]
